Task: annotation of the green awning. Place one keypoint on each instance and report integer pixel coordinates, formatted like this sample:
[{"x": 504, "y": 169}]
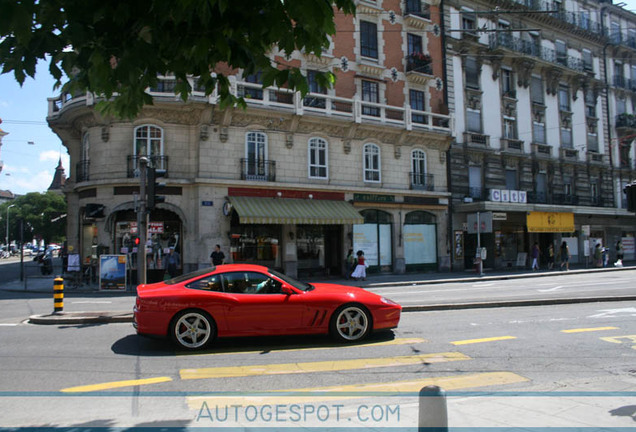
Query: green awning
[{"x": 285, "y": 211}]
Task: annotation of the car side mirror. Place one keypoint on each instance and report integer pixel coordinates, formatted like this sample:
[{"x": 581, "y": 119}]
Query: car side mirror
[{"x": 287, "y": 290}]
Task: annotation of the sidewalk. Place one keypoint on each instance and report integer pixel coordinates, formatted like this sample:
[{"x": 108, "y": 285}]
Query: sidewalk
[{"x": 44, "y": 285}]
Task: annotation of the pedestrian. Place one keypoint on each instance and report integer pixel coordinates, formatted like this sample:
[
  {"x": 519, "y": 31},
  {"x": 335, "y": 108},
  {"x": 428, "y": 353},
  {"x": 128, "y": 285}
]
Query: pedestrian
[
  {"x": 565, "y": 256},
  {"x": 619, "y": 254},
  {"x": 598, "y": 255},
  {"x": 351, "y": 263},
  {"x": 535, "y": 256},
  {"x": 550, "y": 256},
  {"x": 217, "y": 257},
  {"x": 605, "y": 256},
  {"x": 172, "y": 262},
  {"x": 360, "y": 271}
]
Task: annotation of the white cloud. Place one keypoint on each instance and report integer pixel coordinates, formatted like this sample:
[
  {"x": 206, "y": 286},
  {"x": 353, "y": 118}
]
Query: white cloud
[{"x": 49, "y": 155}]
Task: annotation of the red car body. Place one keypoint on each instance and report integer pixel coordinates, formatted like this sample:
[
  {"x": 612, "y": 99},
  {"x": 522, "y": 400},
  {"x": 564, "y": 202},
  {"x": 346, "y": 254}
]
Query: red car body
[{"x": 288, "y": 307}]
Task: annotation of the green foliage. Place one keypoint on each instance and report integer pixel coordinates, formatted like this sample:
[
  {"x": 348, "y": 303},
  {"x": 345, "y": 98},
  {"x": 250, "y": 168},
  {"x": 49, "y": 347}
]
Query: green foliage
[
  {"x": 117, "y": 48},
  {"x": 38, "y": 211}
]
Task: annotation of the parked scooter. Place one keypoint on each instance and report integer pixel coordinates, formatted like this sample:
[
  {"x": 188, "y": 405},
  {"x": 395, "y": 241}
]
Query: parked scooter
[{"x": 45, "y": 260}]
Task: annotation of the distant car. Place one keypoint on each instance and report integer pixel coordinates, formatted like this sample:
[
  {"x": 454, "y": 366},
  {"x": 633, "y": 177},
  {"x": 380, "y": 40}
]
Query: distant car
[{"x": 249, "y": 300}]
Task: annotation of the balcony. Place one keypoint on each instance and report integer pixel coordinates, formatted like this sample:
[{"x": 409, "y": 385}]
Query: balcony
[
  {"x": 421, "y": 181},
  {"x": 568, "y": 153},
  {"x": 565, "y": 199},
  {"x": 258, "y": 170},
  {"x": 420, "y": 63},
  {"x": 595, "y": 158},
  {"x": 541, "y": 150},
  {"x": 476, "y": 139},
  {"x": 535, "y": 197},
  {"x": 619, "y": 38},
  {"x": 417, "y": 8},
  {"x": 512, "y": 145},
  {"x": 626, "y": 121},
  {"x": 82, "y": 171},
  {"x": 158, "y": 162}
]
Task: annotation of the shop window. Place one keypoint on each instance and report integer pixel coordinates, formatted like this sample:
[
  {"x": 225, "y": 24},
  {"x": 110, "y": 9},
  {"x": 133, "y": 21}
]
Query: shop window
[
  {"x": 374, "y": 238},
  {"x": 420, "y": 241},
  {"x": 255, "y": 243}
]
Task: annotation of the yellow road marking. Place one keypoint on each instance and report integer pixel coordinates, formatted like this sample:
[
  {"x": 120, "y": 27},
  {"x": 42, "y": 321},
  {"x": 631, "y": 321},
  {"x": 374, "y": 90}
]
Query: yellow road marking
[
  {"x": 454, "y": 382},
  {"x": 474, "y": 341},
  {"x": 229, "y": 351},
  {"x": 582, "y": 330},
  {"x": 320, "y": 366},
  {"x": 617, "y": 339},
  {"x": 115, "y": 384}
]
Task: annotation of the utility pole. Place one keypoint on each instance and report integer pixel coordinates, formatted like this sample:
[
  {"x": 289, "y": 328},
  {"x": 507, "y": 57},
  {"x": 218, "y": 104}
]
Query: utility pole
[{"x": 141, "y": 222}]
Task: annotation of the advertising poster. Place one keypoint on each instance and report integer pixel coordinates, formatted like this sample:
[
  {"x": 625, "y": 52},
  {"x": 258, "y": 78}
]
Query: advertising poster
[
  {"x": 112, "y": 272},
  {"x": 419, "y": 244}
]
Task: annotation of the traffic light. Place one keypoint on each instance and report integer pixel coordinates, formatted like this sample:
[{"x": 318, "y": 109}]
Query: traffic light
[
  {"x": 154, "y": 188},
  {"x": 630, "y": 192},
  {"x": 136, "y": 241}
]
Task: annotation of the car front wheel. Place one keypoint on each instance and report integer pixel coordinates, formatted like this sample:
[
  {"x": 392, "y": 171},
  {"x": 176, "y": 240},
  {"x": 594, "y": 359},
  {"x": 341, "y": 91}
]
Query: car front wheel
[
  {"x": 193, "y": 329},
  {"x": 350, "y": 323}
]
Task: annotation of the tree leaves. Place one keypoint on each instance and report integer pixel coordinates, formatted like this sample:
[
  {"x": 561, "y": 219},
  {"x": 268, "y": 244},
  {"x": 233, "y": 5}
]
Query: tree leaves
[{"x": 117, "y": 48}]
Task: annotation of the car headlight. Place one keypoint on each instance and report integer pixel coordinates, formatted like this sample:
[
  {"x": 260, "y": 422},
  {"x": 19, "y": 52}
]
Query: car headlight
[{"x": 388, "y": 301}]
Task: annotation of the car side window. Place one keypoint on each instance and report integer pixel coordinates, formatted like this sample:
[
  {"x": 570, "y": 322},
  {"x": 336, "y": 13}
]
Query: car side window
[
  {"x": 251, "y": 283},
  {"x": 210, "y": 283}
]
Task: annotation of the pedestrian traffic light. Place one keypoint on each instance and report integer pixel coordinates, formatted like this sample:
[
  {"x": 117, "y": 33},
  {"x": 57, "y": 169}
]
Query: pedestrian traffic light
[
  {"x": 136, "y": 241},
  {"x": 630, "y": 192},
  {"x": 154, "y": 188}
]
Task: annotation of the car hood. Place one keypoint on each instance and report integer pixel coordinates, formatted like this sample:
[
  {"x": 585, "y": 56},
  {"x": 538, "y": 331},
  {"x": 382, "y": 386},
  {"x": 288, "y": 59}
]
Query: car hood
[{"x": 351, "y": 291}]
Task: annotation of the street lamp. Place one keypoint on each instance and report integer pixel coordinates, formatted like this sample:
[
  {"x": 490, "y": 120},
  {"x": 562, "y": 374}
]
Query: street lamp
[{"x": 7, "y": 237}]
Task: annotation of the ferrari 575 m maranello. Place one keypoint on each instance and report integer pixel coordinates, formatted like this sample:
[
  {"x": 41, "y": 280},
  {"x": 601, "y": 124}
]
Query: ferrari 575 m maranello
[{"x": 249, "y": 300}]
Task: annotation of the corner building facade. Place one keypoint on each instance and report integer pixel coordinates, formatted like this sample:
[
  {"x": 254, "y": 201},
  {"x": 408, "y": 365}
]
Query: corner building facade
[{"x": 289, "y": 182}]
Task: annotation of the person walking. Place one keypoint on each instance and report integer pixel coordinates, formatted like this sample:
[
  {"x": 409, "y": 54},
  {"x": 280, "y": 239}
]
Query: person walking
[
  {"x": 360, "y": 271},
  {"x": 619, "y": 254},
  {"x": 598, "y": 255},
  {"x": 351, "y": 263},
  {"x": 535, "y": 256},
  {"x": 550, "y": 256},
  {"x": 217, "y": 257},
  {"x": 565, "y": 256}
]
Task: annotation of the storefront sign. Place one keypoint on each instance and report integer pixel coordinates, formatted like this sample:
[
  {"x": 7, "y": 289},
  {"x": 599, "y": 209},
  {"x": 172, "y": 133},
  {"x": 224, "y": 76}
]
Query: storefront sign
[
  {"x": 499, "y": 216},
  {"x": 585, "y": 229},
  {"x": 376, "y": 198},
  {"x": 546, "y": 222},
  {"x": 505, "y": 195},
  {"x": 629, "y": 246},
  {"x": 112, "y": 272},
  {"x": 207, "y": 203},
  {"x": 155, "y": 227}
]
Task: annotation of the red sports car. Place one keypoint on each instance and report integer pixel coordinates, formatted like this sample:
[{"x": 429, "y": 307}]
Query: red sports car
[{"x": 250, "y": 300}]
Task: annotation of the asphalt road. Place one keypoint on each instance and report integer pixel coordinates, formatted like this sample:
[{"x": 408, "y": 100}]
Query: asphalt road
[{"x": 105, "y": 375}]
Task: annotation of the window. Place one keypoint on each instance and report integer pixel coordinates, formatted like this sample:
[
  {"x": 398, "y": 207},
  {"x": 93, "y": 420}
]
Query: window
[
  {"x": 469, "y": 22},
  {"x": 414, "y": 43},
  {"x": 538, "y": 131},
  {"x": 318, "y": 158},
  {"x": 416, "y": 7},
  {"x": 566, "y": 138},
  {"x": 587, "y": 61},
  {"x": 252, "y": 92},
  {"x": 418, "y": 164},
  {"x": 594, "y": 191},
  {"x": 314, "y": 87},
  {"x": 567, "y": 186},
  {"x": 508, "y": 83},
  {"x": 210, "y": 283},
  {"x": 370, "y": 93},
  {"x": 564, "y": 98},
  {"x": 561, "y": 53},
  {"x": 371, "y": 163},
  {"x": 86, "y": 145},
  {"x": 256, "y": 166},
  {"x": 472, "y": 73},
  {"x": 416, "y": 100},
  {"x": 585, "y": 19},
  {"x": 590, "y": 104},
  {"x": 368, "y": 39},
  {"x": 250, "y": 283},
  {"x": 542, "y": 187},
  {"x": 536, "y": 90},
  {"x": 473, "y": 120},
  {"x": 149, "y": 143},
  {"x": 511, "y": 179},
  {"x": 510, "y": 128},
  {"x": 475, "y": 182},
  {"x": 615, "y": 32},
  {"x": 621, "y": 106}
]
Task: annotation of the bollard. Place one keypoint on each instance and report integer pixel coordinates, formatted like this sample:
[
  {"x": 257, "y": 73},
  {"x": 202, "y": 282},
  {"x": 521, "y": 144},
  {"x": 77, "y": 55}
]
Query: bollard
[
  {"x": 58, "y": 295},
  {"x": 433, "y": 414}
]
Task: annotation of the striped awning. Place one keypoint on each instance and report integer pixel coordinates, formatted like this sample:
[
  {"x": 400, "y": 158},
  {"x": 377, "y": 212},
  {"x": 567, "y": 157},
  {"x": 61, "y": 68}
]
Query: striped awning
[{"x": 252, "y": 210}]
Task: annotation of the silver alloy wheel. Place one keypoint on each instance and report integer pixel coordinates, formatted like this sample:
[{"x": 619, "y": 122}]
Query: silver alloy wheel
[
  {"x": 352, "y": 323},
  {"x": 193, "y": 330}
]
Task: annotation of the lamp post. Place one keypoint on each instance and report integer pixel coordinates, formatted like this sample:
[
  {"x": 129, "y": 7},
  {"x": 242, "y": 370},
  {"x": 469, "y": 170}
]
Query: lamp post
[{"x": 7, "y": 237}]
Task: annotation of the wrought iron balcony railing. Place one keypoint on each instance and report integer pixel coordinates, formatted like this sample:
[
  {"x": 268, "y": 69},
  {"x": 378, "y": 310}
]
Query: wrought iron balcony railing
[
  {"x": 258, "y": 170},
  {"x": 421, "y": 181},
  {"x": 158, "y": 162},
  {"x": 82, "y": 171}
]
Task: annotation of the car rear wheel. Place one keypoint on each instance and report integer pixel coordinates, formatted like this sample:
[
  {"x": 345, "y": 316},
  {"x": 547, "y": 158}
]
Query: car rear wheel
[
  {"x": 193, "y": 329},
  {"x": 350, "y": 323}
]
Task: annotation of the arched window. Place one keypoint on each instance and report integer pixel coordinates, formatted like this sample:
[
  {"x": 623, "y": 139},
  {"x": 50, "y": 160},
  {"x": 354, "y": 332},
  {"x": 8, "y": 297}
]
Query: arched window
[
  {"x": 374, "y": 238},
  {"x": 317, "y": 157},
  {"x": 256, "y": 166},
  {"x": 371, "y": 155},
  {"x": 418, "y": 169},
  {"x": 82, "y": 173},
  {"x": 149, "y": 143}
]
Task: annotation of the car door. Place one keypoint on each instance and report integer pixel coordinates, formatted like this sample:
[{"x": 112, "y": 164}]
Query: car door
[{"x": 259, "y": 306}]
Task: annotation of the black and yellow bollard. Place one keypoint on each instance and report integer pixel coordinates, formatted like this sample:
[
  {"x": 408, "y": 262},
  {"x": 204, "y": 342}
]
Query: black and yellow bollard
[{"x": 58, "y": 295}]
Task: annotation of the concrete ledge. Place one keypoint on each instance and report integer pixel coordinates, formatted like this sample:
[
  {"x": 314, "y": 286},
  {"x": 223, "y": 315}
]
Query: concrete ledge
[{"x": 82, "y": 318}]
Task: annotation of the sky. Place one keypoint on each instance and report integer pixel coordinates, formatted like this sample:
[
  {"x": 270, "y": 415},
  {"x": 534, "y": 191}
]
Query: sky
[{"x": 31, "y": 151}]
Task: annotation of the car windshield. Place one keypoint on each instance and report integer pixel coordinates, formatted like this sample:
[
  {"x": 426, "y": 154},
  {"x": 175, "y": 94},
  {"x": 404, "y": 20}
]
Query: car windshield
[
  {"x": 187, "y": 276},
  {"x": 296, "y": 284}
]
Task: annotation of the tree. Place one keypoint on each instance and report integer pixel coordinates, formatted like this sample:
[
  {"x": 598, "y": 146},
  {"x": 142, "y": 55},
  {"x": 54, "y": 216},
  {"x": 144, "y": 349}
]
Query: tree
[
  {"x": 118, "y": 48},
  {"x": 41, "y": 213}
]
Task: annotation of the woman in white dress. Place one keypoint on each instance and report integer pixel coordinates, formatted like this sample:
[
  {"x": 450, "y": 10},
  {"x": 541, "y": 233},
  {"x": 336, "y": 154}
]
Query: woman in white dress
[{"x": 360, "y": 271}]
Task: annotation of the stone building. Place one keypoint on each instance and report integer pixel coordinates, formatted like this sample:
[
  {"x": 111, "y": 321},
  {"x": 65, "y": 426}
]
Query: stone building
[
  {"x": 289, "y": 182},
  {"x": 539, "y": 93}
]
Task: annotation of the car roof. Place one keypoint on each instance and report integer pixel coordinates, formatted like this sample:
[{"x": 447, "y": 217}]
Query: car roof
[{"x": 241, "y": 267}]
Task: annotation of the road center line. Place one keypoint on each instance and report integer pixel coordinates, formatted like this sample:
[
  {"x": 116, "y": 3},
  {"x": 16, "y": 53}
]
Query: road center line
[
  {"x": 320, "y": 366},
  {"x": 491, "y": 339},
  {"x": 582, "y": 330}
]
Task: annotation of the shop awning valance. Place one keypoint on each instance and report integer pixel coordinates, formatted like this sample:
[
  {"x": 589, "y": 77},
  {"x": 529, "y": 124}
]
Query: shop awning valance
[{"x": 253, "y": 210}]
